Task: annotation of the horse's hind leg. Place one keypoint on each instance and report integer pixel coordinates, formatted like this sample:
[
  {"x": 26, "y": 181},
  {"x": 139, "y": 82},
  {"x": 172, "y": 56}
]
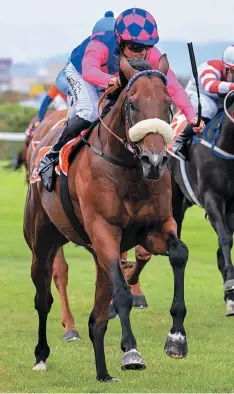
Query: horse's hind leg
[
  {"x": 98, "y": 323},
  {"x": 41, "y": 272},
  {"x": 44, "y": 241},
  {"x": 221, "y": 265},
  {"x": 215, "y": 207},
  {"x": 60, "y": 276}
]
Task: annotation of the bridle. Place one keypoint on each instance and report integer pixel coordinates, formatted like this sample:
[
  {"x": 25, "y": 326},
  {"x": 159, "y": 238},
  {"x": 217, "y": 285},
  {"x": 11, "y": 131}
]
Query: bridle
[{"x": 132, "y": 147}]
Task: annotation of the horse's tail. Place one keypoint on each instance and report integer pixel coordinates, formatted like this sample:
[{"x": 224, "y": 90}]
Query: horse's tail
[{"x": 19, "y": 161}]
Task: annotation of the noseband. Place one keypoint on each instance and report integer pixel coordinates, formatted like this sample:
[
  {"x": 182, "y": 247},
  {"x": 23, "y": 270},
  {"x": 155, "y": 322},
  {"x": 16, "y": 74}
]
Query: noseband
[{"x": 132, "y": 147}]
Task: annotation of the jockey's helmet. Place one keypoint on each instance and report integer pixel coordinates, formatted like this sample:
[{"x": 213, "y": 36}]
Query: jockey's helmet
[
  {"x": 137, "y": 26},
  {"x": 228, "y": 57},
  {"x": 105, "y": 24}
]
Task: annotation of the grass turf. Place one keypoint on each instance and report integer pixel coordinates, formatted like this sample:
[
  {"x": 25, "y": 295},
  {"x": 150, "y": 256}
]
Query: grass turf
[{"x": 208, "y": 366}]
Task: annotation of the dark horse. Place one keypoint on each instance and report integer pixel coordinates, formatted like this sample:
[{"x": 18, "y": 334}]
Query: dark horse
[
  {"x": 119, "y": 205},
  {"x": 211, "y": 177}
]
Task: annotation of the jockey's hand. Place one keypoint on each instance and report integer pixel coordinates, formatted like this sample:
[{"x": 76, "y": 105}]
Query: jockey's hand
[
  {"x": 197, "y": 129},
  {"x": 35, "y": 125},
  {"x": 113, "y": 81}
]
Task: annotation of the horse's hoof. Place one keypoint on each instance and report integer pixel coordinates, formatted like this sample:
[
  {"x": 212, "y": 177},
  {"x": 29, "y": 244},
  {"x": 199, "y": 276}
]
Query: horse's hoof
[
  {"x": 71, "y": 335},
  {"x": 111, "y": 312},
  {"x": 229, "y": 285},
  {"x": 132, "y": 360},
  {"x": 107, "y": 379},
  {"x": 40, "y": 367},
  {"x": 230, "y": 308},
  {"x": 176, "y": 345},
  {"x": 139, "y": 301}
]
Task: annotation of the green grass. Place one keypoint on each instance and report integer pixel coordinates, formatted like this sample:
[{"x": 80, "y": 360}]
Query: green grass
[{"x": 209, "y": 365}]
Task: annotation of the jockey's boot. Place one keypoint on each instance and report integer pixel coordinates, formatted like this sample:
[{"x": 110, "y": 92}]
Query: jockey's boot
[
  {"x": 71, "y": 129},
  {"x": 180, "y": 145}
]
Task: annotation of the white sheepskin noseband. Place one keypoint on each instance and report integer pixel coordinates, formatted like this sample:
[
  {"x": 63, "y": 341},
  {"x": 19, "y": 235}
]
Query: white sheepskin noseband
[{"x": 144, "y": 127}]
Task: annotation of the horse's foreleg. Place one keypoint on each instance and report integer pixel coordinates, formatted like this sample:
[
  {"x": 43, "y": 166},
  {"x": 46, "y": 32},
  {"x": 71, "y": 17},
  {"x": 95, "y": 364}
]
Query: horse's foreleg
[
  {"x": 106, "y": 244},
  {"x": 176, "y": 343},
  {"x": 60, "y": 276},
  {"x": 44, "y": 240},
  {"x": 216, "y": 209},
  {"x": 179, "y": 206}
]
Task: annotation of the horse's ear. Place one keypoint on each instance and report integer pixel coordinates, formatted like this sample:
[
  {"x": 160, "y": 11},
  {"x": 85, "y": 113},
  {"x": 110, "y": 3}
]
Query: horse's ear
[
  {"x": 163, "y": 64},
  {"x": 125, "y": 67}
]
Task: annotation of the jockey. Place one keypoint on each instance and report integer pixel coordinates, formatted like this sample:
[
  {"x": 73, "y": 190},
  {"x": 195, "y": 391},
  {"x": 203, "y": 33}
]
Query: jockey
[
  {"x": 216, "y": 77},
  {"x": 94, "y": 67},
  {"x": 104, "y": 24},
  {"x": 59, "y": 101}
]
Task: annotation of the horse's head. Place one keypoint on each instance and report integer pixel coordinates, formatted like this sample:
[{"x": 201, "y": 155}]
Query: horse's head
[{"x": 147, "y": 108}]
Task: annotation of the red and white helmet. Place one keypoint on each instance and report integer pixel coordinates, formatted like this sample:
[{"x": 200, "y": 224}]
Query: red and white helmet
[{"x": 228, "y": 57}]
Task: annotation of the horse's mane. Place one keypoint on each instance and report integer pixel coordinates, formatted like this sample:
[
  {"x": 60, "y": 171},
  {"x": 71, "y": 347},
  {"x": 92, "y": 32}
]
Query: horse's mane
[{"x": 137, "y": 64}]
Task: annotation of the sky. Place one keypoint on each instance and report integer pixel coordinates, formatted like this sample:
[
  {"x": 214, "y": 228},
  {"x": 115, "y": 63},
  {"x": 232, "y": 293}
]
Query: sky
[{"x": 31, "y": 29}]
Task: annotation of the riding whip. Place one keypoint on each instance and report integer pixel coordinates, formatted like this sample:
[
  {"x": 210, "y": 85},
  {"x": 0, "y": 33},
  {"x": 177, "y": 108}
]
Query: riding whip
[{"x": 195, "y": 74}]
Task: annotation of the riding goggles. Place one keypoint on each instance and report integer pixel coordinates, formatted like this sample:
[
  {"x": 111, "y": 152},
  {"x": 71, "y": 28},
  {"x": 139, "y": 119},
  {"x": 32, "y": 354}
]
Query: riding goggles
[{"x": 136, "y": 47}]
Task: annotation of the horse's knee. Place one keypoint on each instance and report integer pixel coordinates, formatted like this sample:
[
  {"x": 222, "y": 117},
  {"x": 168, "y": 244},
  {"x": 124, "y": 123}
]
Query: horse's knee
[
  {"x": 178, "y": 252},
  {"x": 142, "y": 254},
  {"x": 42, "y": 302},
  {"x": 225, "y": 240}
]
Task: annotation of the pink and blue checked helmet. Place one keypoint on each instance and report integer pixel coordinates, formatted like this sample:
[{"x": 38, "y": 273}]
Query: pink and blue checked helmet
[{"x": 138, "y": 26}]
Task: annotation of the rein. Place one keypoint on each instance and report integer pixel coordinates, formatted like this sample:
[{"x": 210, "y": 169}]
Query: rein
[
  {"x": 132, "y": 147},
  {"x": 225, "y": 106}
]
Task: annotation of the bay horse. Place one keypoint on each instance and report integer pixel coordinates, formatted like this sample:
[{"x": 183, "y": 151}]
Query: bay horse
[
  {"x": 120, "y": 202},
  {"x": 210, "y": 172},
  {"x": 60, "y": 266}
]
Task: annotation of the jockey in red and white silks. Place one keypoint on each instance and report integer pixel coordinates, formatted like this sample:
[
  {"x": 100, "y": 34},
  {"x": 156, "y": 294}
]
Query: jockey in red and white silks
[{"x": 216, "y": 77}]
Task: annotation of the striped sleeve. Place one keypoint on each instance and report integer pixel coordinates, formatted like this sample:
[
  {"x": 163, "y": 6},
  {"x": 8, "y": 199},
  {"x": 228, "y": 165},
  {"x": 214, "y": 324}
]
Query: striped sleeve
[{"x": 211, "y": 81}]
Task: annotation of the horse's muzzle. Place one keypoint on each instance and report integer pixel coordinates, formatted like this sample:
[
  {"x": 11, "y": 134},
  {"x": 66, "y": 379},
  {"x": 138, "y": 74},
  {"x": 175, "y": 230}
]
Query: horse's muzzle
[{"x": 153, "y": 164}]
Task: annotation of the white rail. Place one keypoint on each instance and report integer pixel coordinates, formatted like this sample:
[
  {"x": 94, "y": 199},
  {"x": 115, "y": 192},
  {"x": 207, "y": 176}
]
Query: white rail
[{"x": 12, "y": 136}]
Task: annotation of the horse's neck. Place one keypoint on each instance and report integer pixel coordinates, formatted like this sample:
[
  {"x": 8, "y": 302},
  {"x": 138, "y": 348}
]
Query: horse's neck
[
  {"x": 226, "y": 138},
  {"x": 115, "y": 121}
]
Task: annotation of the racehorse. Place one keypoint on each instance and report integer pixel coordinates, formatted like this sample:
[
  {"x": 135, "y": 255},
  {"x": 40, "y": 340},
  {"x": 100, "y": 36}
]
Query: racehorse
[
  {"x": 60, "y": 266},
  {"x": 122, "y": 198},
  {"x": 29, "y": 134},
  {"x": 210, "y": 173}
]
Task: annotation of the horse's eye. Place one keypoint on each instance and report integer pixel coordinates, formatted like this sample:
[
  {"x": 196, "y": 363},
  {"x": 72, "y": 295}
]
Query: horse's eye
[{"x": 132, "y": 105}]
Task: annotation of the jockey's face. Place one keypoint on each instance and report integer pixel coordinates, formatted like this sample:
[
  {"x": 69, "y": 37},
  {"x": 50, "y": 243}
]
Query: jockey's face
[{"x": 229, "y": 74}]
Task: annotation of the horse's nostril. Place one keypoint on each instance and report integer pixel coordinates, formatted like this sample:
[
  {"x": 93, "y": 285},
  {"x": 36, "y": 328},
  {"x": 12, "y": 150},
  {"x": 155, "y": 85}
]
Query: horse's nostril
[
  {"x": 145, "y": 160},
  {"x": 164, "y": 161}
]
